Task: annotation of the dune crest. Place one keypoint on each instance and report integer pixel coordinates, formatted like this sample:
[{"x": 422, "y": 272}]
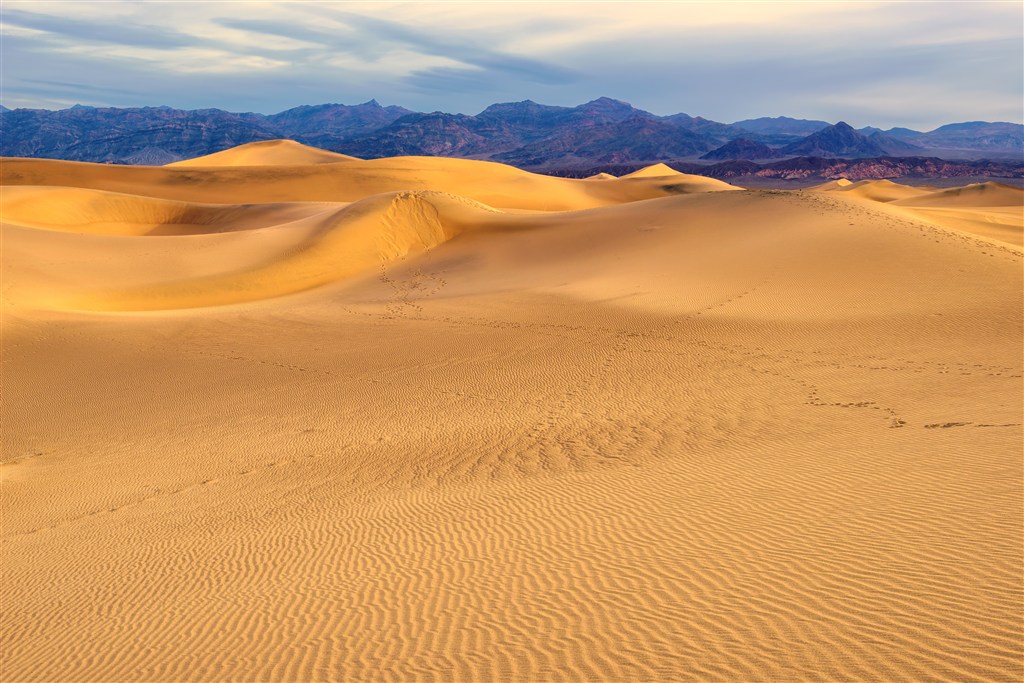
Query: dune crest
[
  {"x": 653, "y": 171},
  {"x": 839, "y": 183},
  {"x": 977, "y": 195},
  {"x": 265, "y": 153},
  {"x": 881, "y": 190},
  {"x": 493, "y": 184}
]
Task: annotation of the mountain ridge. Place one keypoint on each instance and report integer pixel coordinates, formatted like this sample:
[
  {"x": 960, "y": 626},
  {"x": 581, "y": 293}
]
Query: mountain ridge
[{"x": 528, "y": 134}]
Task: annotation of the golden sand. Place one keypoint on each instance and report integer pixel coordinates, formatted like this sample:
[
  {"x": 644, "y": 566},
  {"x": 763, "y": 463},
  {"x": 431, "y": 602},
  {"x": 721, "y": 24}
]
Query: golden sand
[
  {"x": 276, "y": 416},
  {"x": 266, "y": 153}
]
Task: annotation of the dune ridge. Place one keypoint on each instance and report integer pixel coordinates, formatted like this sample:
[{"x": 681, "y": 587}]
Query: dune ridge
[
  {"x": 976, "y": 195},
  {"x": 434, "y": 420},
  {"x": 990, "y": 210},
  {"x": 491, "y": 183},
  {"x": 266, "y": 153},
  {"x": 882, "y": 190},
  {"x": 836, "y": 184},
  {"x": 653, "y": 171}
]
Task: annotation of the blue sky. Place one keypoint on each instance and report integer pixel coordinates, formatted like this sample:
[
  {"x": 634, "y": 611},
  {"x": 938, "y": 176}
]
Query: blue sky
[{"x": 915, "y": 64}]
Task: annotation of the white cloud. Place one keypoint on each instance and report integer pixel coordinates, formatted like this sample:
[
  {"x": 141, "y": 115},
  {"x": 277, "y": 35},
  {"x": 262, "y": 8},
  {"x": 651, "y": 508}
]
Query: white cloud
[{"x": 724, "y": 60}]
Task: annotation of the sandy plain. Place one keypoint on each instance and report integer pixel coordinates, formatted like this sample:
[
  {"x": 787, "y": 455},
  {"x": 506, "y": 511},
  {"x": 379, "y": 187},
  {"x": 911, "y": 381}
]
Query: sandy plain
[{"x": 283, "y": 415}]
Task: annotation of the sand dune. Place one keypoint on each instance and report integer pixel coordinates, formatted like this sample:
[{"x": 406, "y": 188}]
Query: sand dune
[
  {"x": 837, "y": 184},
  {"x": 653, "y": 171},
  {"x": 977, "y": 195},
  {"x": 880, "y": 190},
  {"x": 493, "y": 184},
  {"x": 990, "y": 210},
  {"x": 601, "y": 176},
  {"x": 72, "y": 209},
  {"x": 266, "y": 153},
  {"x": 321, "y": 247},
  {"x": 1001, "y": 223},
  {"x": 432, "y": 420}
]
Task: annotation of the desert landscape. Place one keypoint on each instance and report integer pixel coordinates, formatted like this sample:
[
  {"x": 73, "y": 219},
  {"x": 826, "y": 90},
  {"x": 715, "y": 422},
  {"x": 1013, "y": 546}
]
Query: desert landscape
[{"x": 282, "y": 414}]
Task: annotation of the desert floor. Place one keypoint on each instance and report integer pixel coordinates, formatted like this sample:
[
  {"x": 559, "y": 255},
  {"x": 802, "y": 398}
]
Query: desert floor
[{"x": 283, "y": 415}]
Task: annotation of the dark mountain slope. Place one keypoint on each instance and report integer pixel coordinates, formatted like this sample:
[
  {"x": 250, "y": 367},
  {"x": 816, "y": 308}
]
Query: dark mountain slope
[
  {"x": 741, "y": 148},
  {"x": 524, "y": 133}
]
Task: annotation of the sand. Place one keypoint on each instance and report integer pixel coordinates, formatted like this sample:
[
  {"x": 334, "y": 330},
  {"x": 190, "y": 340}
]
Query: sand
[
  {"x": 425, "y": 419},
  {"x": 266, "y": 153},
  {"x": 653, "y": 171},
  {"x": 992, "y": 210}
]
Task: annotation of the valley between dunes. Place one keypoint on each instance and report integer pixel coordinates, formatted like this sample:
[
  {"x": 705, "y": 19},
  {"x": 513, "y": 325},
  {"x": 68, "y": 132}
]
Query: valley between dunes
[{"x": 278, "y": 414}]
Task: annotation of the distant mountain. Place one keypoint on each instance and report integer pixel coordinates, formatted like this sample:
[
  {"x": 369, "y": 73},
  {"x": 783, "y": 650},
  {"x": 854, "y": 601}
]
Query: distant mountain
[
  {"x": 899, "y": 133},
  {"x": 781, "y": 125},
  {"x": 741, "y": 148},
  {"x": 530, "y": 118},
  {"x": 526, "y": 134},
  {"x": 707, "y": 128},
  {"x": 531, "y": 135},
  {"x": 333, "y": 123},
  {"x": 162, "y": 134},
  {"x": 436, "y": 134},
  {"x": 116, "y": 135},
  {"x": 896, "y": 147},
  {"x": 1001, "y": 138},
  {"x": 839, "y": 140},
  {"x": 975, "y": 135},
  {"x": 605, "y": 109},
  {"x": 637, "y": 139}
]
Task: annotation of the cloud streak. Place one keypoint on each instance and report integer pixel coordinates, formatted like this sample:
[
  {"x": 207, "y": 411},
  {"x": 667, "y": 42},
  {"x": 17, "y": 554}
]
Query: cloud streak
[
  {"x": 137, "y": 35},
  {"x": 916, "y": 65}
]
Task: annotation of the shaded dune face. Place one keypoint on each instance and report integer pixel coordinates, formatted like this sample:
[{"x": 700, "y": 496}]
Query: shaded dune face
[
  {"x": 272, "y": 415},
  {"x": 316, "y": 245},
  {"x": 96, "y": 212}
]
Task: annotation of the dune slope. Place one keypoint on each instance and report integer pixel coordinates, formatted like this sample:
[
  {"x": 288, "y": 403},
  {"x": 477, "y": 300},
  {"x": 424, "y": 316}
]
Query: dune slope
[
  {"x": 266, "y": 153},
  {"x": 653, "y": 171},
  {"x": 877, "y": 190},
  {"x": 425, "y": 420},
  {"x": 977, "y": 195},
  {"x": 493, "y": 184},
  {"x": 73, "y": 209}
]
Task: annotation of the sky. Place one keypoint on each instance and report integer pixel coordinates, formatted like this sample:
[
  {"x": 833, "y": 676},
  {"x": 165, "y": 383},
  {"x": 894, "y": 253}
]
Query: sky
[{"x": 914, "y": 64}]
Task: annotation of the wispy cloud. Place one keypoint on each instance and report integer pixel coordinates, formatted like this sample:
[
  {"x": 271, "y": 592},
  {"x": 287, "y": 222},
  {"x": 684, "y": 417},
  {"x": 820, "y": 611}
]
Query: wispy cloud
[
  {"x": 309, "y": 35},
  {"x": 116, "y": 33},
  {"x": 884, "y": 64},
  {"x": 370, "y": 38},
  {"x": 464, "y": 50}
]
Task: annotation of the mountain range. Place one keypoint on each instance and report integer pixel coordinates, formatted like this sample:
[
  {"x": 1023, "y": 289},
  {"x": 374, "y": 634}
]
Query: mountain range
[{"x": 525, "y": 134}]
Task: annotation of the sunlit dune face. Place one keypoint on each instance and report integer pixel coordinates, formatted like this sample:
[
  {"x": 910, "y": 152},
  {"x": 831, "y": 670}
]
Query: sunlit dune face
[{"x": 280, "y": 414}]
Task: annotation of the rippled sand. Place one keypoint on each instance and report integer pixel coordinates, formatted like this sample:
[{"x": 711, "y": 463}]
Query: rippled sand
[{"x": 425, "y": 419}]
